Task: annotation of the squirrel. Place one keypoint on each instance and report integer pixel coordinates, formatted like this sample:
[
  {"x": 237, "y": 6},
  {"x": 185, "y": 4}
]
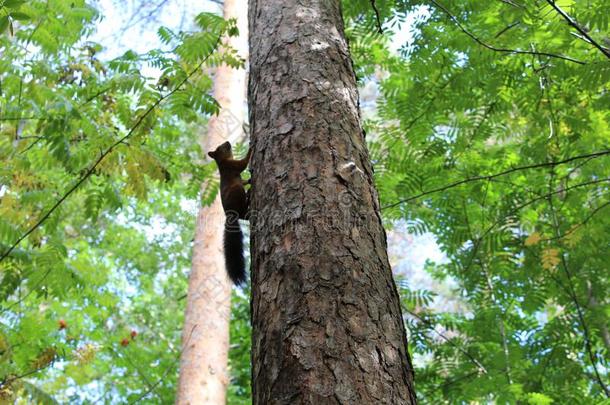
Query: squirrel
[{"x": 235, "y": 204}]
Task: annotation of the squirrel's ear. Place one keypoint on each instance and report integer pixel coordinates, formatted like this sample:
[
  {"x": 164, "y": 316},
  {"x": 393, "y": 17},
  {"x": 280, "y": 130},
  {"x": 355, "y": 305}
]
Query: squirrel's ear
[{"x": 211, "y": 154}]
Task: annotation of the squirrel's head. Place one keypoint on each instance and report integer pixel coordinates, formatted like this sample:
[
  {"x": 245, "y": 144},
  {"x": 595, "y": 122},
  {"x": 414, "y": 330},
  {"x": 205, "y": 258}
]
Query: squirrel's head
[{"x": 224, "y": 151}]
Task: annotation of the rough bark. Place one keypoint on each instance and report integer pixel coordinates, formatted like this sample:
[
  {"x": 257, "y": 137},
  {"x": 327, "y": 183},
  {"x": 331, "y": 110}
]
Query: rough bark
[
  {"x": 327, "y": 324},
  {"x": 205, "y": 338}
]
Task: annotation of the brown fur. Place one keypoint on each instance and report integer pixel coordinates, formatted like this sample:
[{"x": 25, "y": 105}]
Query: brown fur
[{"x": 235, "y": 204}]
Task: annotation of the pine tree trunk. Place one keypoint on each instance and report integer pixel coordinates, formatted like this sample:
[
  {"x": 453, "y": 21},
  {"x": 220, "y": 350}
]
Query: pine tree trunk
[
  {"x": 327, "y": 324},
  {"x": 203, "y": 363}
]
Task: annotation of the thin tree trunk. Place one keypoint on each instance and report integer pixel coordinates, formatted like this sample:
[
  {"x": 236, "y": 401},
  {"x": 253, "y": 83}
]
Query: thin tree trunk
[
  {"x": 327, "y": 324},
  {"x": 205, "y": 337}
]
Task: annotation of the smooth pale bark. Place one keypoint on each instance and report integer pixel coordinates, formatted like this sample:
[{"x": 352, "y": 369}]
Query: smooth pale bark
[
  {"x": 327, "y": 323},
  {"x": 205, "y": 338}
]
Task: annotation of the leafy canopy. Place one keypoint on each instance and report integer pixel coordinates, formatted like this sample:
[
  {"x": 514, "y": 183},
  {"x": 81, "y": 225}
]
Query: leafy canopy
[
  {"x": 99, "y": 163},
  {"x": 491, "y": 132}
]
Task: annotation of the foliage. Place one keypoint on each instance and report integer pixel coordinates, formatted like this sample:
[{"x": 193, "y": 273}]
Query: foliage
[
  {"x": 491, "y": 132},
  {"x": 100, "y": 164},
  {"x": 240, "y": 391}
]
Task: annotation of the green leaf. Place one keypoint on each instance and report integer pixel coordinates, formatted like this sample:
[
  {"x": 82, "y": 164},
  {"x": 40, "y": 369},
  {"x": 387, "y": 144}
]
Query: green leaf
[
  {"x": 37, "y": 395},
  {"x": 17, "y": 15},
  {"x": 13, "y": 3},
  {"x": 166, "y": 35},
  {"x": 3, "y": 23},
  {"x": 536, "y": 398}
]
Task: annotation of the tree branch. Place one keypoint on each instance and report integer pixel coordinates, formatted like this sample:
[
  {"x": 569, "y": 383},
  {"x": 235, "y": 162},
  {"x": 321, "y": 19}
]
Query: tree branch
[
  {"x": 476, "y": 362},
  {"x": 105, "y": 153},
  {"x": 579, "y": 28},
  {"x": 150, "y": 386},
  {"x": 377, "y": 17},
  {"x": 34, "y": 288},
  {"x": 508, "y": 27},
  {"x": 9, "y": 380},
  {"x": 18, "y": 118},
  {"x": 503, "y": 50},
  {"x": 511, "y": 3},
  {"x": 572, "y": 293},
  {"x": 503, "y": 173},
  {"x": 167, "y": 371},
  {"x": 519, "y": 207},
  {"x": 583, "y": 223}
]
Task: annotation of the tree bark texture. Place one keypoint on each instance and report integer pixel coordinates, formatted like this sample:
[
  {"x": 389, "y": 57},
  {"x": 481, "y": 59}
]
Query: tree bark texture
[
  {"x": 205, "y": 338},
  {"x": 327, "y": 324}
]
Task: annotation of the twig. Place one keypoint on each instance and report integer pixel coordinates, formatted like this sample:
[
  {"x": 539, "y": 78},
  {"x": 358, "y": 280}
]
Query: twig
[
  {"x": 464, "y": 352},
  {"x": 491, "y": 291},
  {"x": 456, "y": 380},
  {"x": 578, "y": 27},
  {"x": 503, "y": 173},
  {"x": 583, "y": 223},
  {"x": 96, "y": 95},
  {"x": 519, "y": 207},
  {"x": 19, "y": 107},
  {"x": 135, "y": 18},
  {"x": 512, "y": 3},
  {"x": 572, "y": 293},
  {"x": 377, "y": 17},
  {"x": 105, "y": 153},
  {"x": 30, "y": 146},
  {"x": 166, "y": 372},
  {"x": 6, "y": 381},
  {"x": 508, "y": 27},
  {"x": 18, "y": 118},
  {"x": 504, "y": 50},
  {"x": 21, "y": 299},
  {"x": 135, "y": 367}
]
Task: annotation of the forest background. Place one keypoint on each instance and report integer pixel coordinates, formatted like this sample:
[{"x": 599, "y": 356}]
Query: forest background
[{"x": 488, "y": 128}]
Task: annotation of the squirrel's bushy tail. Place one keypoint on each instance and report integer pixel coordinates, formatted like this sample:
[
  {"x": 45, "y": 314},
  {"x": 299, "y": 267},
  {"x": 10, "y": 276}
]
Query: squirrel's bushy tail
[{"x": 234, "y": 249}]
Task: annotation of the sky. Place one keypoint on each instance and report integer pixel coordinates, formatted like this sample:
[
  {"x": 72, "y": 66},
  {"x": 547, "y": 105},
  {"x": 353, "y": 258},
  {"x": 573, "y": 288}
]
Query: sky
[{"x": 124, "y": 26}]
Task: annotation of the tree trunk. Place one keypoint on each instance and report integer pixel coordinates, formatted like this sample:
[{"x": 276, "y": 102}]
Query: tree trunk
[
  {"x": 327, "y": 324},
  {"x": 205, "y": 337}
]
